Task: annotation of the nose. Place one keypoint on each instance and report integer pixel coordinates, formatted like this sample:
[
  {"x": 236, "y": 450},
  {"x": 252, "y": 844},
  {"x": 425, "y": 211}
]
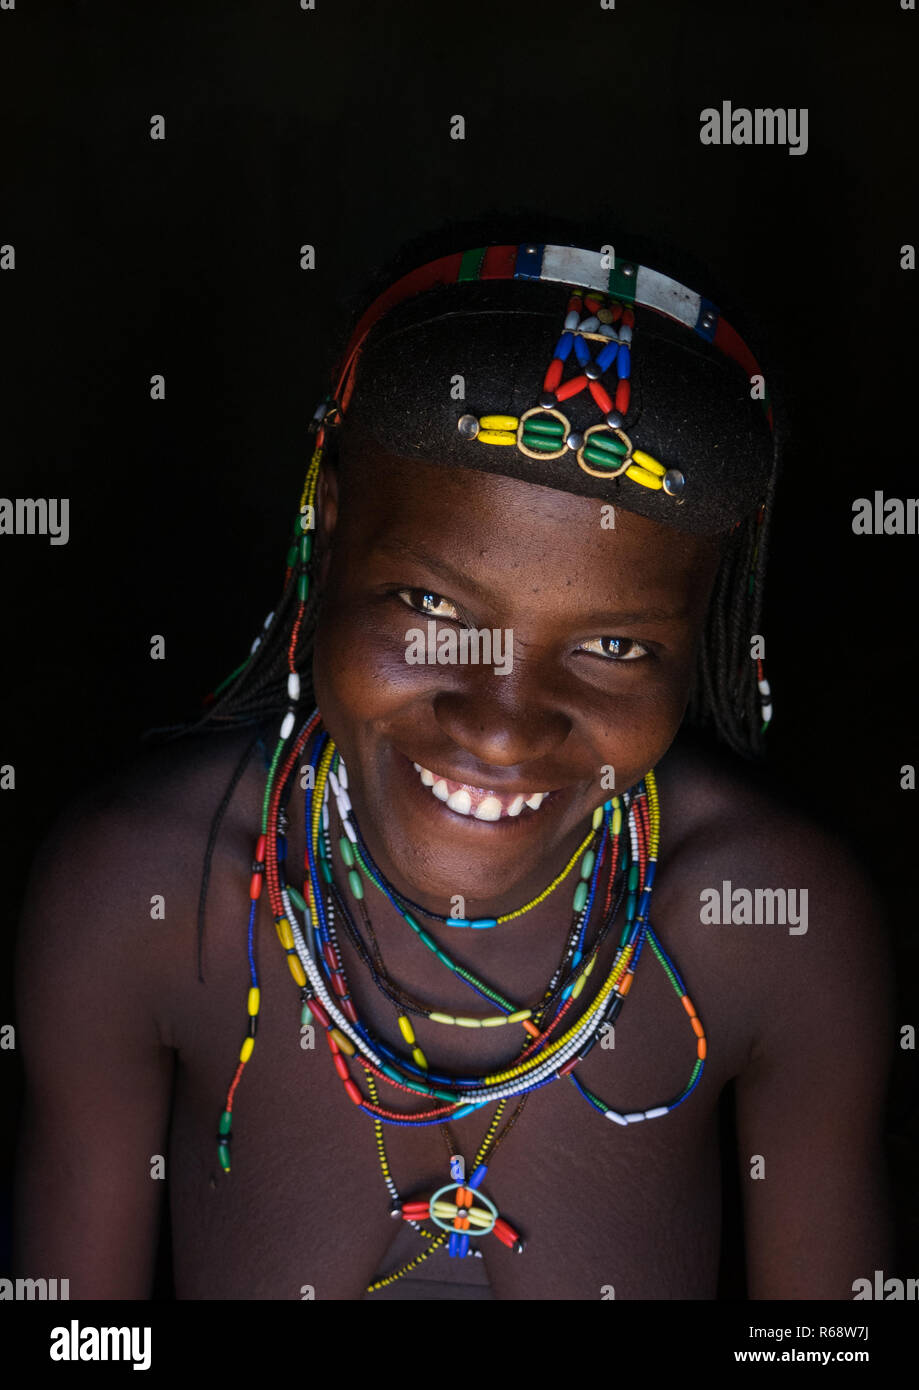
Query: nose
[{"x": 504, "y": 721}]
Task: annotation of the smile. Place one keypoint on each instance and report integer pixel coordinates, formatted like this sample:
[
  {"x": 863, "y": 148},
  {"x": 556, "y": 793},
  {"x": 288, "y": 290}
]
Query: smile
[{"x": 479, "y": 803}]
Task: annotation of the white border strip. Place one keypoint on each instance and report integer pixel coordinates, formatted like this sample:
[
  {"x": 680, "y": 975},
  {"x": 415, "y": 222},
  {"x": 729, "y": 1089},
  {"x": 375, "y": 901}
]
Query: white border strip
[{"x": 571, "y": 265}]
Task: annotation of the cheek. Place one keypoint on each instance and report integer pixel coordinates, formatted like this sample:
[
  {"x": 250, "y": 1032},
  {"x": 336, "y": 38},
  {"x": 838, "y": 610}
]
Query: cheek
[
  {"x": 359, "y": 665},
  {"x": 633, "y": 732},
  {"x": 632, "y": 728}
]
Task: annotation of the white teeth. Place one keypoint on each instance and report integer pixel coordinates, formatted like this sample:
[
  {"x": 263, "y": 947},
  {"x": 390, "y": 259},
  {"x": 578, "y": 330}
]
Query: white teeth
[{"x": 490, "y": 808}]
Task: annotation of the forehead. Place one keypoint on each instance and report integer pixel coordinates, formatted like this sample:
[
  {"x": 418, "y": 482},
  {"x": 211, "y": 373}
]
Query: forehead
[{"x": 520, "y": 533}]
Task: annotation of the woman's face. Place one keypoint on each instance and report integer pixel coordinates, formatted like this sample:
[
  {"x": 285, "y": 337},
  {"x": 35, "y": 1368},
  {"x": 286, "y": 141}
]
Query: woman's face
[{"x": 560, "y": 709}]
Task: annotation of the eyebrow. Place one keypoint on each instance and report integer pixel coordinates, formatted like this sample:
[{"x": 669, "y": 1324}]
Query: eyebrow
[{"x": 401, "y": 549}]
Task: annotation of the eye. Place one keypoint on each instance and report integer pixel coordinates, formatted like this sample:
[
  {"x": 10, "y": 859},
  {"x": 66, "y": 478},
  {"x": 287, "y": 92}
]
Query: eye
[
  {"x": 616, "y": 648},
  {"x": 424, "y": 601}
]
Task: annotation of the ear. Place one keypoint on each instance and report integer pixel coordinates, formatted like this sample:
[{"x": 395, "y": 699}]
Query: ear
[{"x": 327, "y": 490}]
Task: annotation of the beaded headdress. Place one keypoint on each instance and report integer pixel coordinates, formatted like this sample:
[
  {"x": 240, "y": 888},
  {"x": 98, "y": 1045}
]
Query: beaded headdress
[{"x": 567, "y": 368}]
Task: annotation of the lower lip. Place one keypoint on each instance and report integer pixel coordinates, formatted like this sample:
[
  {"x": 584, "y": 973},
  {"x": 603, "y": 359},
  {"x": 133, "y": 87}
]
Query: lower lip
[{"x": 506, "y": 825}]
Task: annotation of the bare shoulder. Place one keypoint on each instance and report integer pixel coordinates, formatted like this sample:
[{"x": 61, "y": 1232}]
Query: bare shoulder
[
  {"x": 116, "y": 879},
  {"x": 787, "y": 927},
  {"x": 105, "y": 948},
  {"x": 162, "y": 783},
  {"x": 781, "y": 909},
  {"x": 153, "y": 813},
  {"x": 729, "y": 816}
]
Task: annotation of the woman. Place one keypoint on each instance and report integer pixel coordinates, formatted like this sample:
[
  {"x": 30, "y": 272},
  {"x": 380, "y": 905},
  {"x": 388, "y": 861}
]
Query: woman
[{"x": 532, "y": 536}]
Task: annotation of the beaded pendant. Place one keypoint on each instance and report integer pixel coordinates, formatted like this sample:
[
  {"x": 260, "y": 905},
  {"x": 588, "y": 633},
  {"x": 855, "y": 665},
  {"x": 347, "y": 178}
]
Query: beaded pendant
[
  {"x": 454, "y": 1208},
  {"x": 599, "y": 339}
]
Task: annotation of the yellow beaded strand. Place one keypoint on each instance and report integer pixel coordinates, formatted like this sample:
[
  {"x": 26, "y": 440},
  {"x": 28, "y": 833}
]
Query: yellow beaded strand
[
  {"x": 308, "y": 495},
  {"x": 436, "y": 1240},
  {"x": 322, "y": 772},
  {"x": 654, "y": 809},
  {"x": 618, "y": 970},
  {"x": 509, "y": 916}
]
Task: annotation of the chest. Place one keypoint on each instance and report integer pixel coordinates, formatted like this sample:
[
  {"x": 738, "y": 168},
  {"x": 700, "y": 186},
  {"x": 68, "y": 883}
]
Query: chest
[{"x": 600, "y": 1206}]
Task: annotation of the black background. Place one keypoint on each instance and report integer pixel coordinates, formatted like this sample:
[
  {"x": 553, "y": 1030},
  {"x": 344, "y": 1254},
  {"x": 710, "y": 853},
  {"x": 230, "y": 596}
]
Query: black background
[{"x": 331, "y": 127}]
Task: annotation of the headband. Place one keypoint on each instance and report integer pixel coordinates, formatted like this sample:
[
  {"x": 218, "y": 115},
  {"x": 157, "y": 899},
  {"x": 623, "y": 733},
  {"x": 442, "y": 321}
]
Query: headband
[{"x": 566, "y": 368}]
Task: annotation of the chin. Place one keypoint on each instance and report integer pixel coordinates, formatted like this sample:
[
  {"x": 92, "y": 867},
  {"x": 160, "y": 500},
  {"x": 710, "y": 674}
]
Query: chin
[{"x": 438, "y": 852}]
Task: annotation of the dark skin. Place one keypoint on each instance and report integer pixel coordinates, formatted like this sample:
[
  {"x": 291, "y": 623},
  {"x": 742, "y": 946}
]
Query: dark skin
[{"x": 134, "y": 1042}]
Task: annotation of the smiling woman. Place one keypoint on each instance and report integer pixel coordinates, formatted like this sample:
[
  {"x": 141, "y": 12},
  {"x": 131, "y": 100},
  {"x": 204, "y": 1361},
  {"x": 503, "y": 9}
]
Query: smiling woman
[{"x": 575, "y": 452}]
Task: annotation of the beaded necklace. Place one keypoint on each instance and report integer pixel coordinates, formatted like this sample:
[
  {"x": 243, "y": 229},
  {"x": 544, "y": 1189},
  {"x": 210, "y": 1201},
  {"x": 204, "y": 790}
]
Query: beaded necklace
[
  {"x": 473, "y": 1091},
  {"x": 573, "y": 952},
  {"x": 512, "y": 1015},
  {"x": 415, "y": 1212},
  {"x": 316, "y": 965}
]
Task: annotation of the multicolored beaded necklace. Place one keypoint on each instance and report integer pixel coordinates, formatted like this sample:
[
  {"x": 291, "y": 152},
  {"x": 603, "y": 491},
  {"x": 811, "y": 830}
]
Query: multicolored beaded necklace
[
  {"x": 624, "y": 835},
  {"x": 316, "y": 965}
]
